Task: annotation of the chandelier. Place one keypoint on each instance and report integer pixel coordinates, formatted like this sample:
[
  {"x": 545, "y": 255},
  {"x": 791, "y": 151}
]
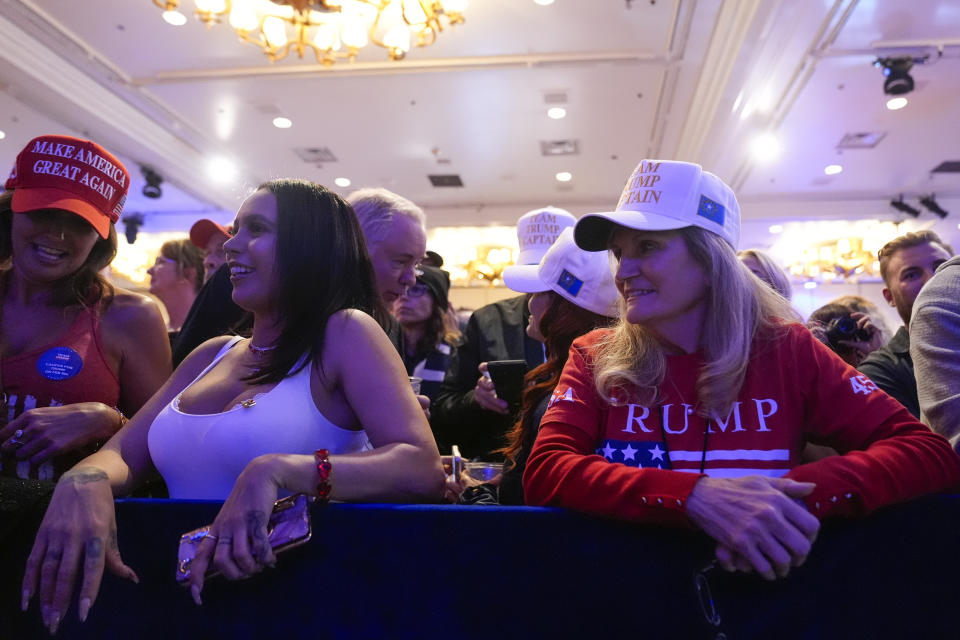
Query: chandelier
[{"x": 332, "y": 29}]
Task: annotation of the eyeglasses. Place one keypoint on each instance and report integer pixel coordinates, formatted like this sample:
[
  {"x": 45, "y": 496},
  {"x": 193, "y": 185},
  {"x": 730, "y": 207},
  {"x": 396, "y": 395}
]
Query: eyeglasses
[
  {"x": 701, "y": 584},
  {"x": 416, "y": 290}
]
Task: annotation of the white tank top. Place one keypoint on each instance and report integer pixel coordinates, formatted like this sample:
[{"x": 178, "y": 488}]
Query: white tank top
[{"x": 200, "y": 456}]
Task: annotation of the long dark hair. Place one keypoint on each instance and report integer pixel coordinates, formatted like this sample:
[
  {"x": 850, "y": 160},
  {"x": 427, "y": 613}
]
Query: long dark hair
[
  {"x": 438, "y": 328},
  {"x": 85, "y": 286},
  {"x": 562, "y": 323},
  {"x": 322, "y": 266}
]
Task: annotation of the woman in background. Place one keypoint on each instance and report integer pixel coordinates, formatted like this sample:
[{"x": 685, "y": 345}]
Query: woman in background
[
  {"x": 561, "y": 310},
  {"x": 77, "y": 354},
  {"x": 427, "y": 329},
  {"x": 175, "y": 278},
  {"x": 761, "y": 264}
]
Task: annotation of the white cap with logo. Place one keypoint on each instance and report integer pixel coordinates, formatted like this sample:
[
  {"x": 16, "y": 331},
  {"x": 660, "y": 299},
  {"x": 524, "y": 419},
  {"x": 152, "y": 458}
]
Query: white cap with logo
[
  {"x": 662, "y": 195},
  {"x": 537, "y": 230},
  {"x": 582, "y": 277}
]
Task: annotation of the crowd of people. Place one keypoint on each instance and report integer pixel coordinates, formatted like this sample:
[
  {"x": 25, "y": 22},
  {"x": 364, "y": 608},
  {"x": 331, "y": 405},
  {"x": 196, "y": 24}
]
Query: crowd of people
[{"x": 668, "y": 379}]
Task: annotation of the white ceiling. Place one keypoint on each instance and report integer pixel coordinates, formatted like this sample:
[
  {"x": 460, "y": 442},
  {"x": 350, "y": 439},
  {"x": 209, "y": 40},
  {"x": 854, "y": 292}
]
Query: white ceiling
[{"x": 685, "y": 79}]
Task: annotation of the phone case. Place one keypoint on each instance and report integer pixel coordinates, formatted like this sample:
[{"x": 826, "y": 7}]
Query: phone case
[
  {"x": 507, "y": 377},
  {"x": 289, "y": 526}
]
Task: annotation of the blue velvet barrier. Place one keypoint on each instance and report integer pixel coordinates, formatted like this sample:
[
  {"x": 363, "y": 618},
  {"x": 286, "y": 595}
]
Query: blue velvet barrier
[{"x": 382, "y": 571}]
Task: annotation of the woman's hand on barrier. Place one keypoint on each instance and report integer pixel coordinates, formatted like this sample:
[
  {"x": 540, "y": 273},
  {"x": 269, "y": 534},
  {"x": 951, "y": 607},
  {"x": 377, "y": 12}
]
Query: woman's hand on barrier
[
  {"x": 51, "y": 431},
  {"x": 758, "y": 522},
  {"x": 78, "y": 533},
  {"x": 486, "y": 395},
  {"x": 237, "y": 544}
]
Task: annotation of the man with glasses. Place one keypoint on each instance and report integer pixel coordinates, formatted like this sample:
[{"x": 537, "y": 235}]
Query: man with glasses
[{"x": 396, "y": 235}]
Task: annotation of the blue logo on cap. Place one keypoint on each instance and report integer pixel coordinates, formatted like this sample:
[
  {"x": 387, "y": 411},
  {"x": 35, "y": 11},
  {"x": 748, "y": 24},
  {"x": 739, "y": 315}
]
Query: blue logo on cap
[
  {"x": 570, "y": 283},
  {"x": 711, "y": 210}
]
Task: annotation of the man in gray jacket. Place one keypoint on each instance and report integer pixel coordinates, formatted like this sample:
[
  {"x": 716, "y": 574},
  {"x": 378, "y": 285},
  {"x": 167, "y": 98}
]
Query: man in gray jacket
[{"x": 935, "y": 348}]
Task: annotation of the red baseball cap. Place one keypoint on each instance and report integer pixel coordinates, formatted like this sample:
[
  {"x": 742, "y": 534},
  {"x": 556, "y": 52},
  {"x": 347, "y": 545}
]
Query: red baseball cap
[
  {"x": 204, "y": 229},
  {"x": 62, "y": 172}
]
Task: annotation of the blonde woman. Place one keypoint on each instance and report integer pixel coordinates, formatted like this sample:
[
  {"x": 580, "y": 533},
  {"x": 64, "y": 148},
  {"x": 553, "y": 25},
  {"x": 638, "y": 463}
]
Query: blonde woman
[
  {"x": 696, "y": 406},
  {"x": 762, "y": 265}
]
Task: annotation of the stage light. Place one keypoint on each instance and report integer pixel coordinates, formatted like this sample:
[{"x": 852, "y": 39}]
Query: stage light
[
  {"x": 902, "y": 206},
  {"x": 933, "y": 207},
  {"x": 132, "y": 224},
  {"x": 896, "y": 73},
  {"x": 152, "y": 188}
]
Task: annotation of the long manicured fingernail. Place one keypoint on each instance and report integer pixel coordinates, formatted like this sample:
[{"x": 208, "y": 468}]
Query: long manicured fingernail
[
  {"x": 25, "y": 600},
  {"x": 54, "y": 623},
  {"x": 134, "y": 577},
  {"x": 45, "y": 615},
  {"x": 195, "y": 592},
  {"x": 84, "y": 609}
]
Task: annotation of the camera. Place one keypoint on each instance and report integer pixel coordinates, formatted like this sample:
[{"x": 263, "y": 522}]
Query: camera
[{"x": 845, "y": 328}]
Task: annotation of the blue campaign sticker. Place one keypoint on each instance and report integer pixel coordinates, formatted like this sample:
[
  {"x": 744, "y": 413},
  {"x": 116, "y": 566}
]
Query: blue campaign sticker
[
  {"x": 711, "y": 210},
  {"x": 570, "y": 283},
  {"x": 59, "y": 363}
]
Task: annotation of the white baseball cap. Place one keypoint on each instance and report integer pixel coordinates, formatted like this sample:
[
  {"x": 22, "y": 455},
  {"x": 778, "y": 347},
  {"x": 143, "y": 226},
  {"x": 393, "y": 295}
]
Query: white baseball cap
[
  {"x": 537, "y": 230},
  {"x": 666, "y": 194},
  {"x": 582, "y": 277}
]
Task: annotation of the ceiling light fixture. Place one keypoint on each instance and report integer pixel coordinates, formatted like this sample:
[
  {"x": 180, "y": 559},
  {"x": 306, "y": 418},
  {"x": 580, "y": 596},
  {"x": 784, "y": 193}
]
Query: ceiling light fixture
[
  {"x": 903, "y": 207},
  {"x": 765, "y": 147},
  {"x": 564, "y": 176},
  {"x": 543, "y": 3},
  {"x": 221, "y": 170},
  {"x": 556, "y": 113},
  {"x": 332, "y": 29},
  {"x": 895, "y": 104},
  {"x": 282, "y": 123},
  {"x": 152, "y": 188},
  {"x": 933, "y": 207},
  {"x": 776, "y": 228},
  {"x": 342, "y": 182},
  {"x": 175, "y": 18},
  {"x": 896, "y": 74},
  {"x": 832, "y": 169},
  {"x": 2, "y": 135}
]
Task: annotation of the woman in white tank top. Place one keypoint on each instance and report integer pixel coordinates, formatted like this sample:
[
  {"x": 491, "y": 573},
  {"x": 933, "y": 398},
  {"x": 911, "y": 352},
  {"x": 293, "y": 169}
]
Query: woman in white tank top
[{"x": 241, "y": 417}]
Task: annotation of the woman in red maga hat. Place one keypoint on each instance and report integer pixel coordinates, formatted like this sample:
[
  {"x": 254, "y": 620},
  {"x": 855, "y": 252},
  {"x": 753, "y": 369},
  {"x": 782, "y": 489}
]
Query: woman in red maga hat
[{"x": 77, "y": 353}]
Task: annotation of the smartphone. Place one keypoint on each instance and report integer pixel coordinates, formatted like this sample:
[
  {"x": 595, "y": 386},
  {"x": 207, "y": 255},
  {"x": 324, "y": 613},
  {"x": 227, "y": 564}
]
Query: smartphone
[
  {"x": 507, "y": 377},
  {"x": 288, "y": 527}
]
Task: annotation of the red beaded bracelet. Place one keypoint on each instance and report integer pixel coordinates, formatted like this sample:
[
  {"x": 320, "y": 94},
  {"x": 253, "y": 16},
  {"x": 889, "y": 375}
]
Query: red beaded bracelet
[{"x": 322, "y": 456}]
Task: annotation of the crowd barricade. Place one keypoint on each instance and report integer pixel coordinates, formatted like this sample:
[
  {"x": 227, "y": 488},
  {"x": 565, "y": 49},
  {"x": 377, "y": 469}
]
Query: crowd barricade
[{"x": 455, "y": 572}]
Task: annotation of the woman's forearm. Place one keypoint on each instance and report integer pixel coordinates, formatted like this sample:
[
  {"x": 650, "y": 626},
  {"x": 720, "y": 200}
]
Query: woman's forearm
[{"x": 393, "y": 473}]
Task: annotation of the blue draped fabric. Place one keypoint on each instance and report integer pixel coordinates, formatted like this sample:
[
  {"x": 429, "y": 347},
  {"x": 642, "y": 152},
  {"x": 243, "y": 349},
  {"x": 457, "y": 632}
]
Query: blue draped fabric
[{"x": 453, "y": 572}]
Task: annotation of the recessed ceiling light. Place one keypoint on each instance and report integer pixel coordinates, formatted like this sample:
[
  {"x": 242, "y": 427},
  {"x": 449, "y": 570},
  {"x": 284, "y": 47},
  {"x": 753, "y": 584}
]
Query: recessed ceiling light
[
  {"x": 832, "y": 169},
  {"x": 896, "y": 103},
  {"x": 776, "y": 228},
  {"x": 2, "y": 135},
  {"x": 175, "y": 18},
  {"x": 282, "y": 123},
  {"x": 765, "y": 147},
  {"x": 543, "y": 3},
  {"x": 557, "y": 112},
  {"x": 564, "y": 176},
  {"x": 809, "y": 284},
  {"x": 221, "y": 170},
  {"x": 342, "y": 182}
]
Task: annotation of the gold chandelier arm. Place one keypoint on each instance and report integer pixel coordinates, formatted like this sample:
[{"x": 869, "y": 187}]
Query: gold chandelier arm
[{"x": 167, "y": 5}]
